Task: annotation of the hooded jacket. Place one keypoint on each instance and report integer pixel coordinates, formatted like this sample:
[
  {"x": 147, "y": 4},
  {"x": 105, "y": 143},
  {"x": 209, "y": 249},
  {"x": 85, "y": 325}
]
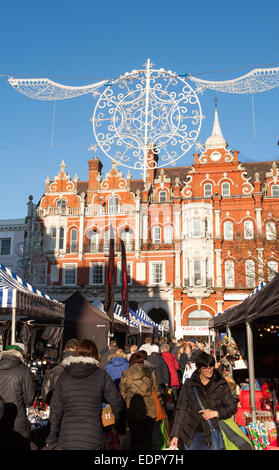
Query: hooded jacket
[
  {"x": 17, "y": 391},
  {"x": 172, "y": 364},
  {"x": 216, "y": 396},
  {"x": 75, "y": 407},
  {"x": 115, "y": 367},
  {"x": 136, "y": 387}
]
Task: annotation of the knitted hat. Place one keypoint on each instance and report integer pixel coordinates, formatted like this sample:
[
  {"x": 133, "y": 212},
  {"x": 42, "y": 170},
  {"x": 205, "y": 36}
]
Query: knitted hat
[{"x": 18, "y": 346}]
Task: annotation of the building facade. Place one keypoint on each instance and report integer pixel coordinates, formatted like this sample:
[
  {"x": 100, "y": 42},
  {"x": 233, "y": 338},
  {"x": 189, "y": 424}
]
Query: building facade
[
  {"x": 12, "y": 242},
  {"x": 198, "y": 238}
]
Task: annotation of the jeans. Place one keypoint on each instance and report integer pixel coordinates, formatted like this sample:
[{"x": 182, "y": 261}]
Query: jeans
[{"x": 199, "y": 442}]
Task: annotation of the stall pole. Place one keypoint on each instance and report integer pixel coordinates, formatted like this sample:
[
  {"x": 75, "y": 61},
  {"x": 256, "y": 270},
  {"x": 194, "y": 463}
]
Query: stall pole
[
  {"x": 230, "y": 339},
  {"x": 251, "y": 370},
  {"x": 13, "y": 325}
]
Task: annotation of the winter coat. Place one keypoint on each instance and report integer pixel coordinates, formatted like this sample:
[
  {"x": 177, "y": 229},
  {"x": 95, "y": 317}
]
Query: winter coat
[
  {"x": 172, "y": 364},
  {"x": 161, "y": 368},
  {"x": 17, "y": 391},
  {"x": 115, "y": 367},
  {"x": 136, "y": 387},
  {"x": 146, "y": 347},
  {"x": 105, "y": 355},
  {"x": 51, "y": 378},
  {"x": 183, "y": 360},
  {"x": 75, "y": 407},
  {"x": 217, "y": 396},
  {"x": 195, "y": 354}
]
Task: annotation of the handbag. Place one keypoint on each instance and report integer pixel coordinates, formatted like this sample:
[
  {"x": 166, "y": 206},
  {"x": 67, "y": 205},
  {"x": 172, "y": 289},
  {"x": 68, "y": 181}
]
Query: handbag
[
  {"x": 160, "y": 412},
  {"x": 108, "y": 417},
  {"x": 217, "y": 442},
  {"x": 234, "y": 438}
]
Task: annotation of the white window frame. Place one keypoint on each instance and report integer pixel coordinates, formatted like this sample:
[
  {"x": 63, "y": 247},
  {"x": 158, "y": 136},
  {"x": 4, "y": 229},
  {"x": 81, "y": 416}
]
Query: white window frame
[
  {"x": 53, "y": 239},
  {"x": 229, "y": 274},
  {"x": 113, "y": 208},
  {"x": 248, "y": 229},
  {"x": 65, "y": 265},
  {"x": 107, "y": 238},
  {"x": 165, "y": 198},
  {"x": 272, "y": 269},
  {"x": 227, "y": 190},
  {"x": 270, "y": 231},
  {"x": 227, "y": 224},
  {"x": 151, "y": 278},
  {"x": 154, "y": 239},
  {"x": 276, "y": 188},
  {"x": 61, "y": 248},
  {"x": 168, "y": 238},
  {"x": 250, "y": 274},
  {"x": 129, "y": 273},
  {"x": 195, "y": 232},
  {"x": 73, "y": 241},
  {"x": 128, "y": 238},
  {"x": 93, "y": 243},
  {"x": 197, "y": 262},
  {"x": 44, "y": 265},
  {"x": 205, "y": 190},
  {"x": 91, "y": 273},
  {"x": 10, "y": 252}
]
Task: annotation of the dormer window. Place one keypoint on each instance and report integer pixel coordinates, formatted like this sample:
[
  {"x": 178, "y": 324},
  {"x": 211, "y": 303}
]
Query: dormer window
[
  {"x": 207, "y": 190},
  {"x": 163, "y": 196},
  {"x": 275, "y": 190},
  {"x": 61, "y": 204},
  {"x": 226, "y": 189},
  {"x": 113, "y": 205}
]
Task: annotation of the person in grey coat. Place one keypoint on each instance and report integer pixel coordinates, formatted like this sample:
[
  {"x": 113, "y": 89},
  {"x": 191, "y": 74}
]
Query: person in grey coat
[
  {"x": 75, "y": 407},
  {"x": 17, "y": 392}
]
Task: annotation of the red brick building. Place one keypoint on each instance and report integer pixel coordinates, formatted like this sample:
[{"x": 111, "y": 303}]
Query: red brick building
[{"x": 198, "y": 238}]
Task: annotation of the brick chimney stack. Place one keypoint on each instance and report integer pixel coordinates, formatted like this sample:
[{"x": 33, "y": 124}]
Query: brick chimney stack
[{"x": 95, "y": 167}]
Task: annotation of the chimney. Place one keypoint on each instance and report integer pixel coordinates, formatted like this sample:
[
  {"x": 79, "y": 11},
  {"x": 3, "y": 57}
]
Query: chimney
[{"x": 95, "y": 167}]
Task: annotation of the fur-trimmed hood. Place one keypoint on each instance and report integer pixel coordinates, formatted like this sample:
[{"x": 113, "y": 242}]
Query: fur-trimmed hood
[
  {"x": 10, "y": 359},
  {"x": 80, "y": 366}
]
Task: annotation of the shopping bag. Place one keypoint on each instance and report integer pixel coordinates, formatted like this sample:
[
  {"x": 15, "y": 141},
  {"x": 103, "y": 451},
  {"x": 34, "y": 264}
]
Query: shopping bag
[
  {"x": 233, "y": 437},
  {"x": 107, "y": 416},
  {"x": 164, "y": 438},
  {"x": 188, "y": 371},
  {"x": 111, "y": 439},
  {"x": 160, "y": 412}
]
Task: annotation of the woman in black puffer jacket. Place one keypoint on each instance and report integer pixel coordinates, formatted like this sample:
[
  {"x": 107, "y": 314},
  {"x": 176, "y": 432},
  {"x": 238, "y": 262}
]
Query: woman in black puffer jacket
[
  {"x": 75, "y": 407},
  {"x": 190, "y": 424}
]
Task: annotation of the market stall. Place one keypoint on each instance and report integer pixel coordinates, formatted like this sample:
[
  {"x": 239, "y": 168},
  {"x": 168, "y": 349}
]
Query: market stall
[{"x": 254, "y": 325}]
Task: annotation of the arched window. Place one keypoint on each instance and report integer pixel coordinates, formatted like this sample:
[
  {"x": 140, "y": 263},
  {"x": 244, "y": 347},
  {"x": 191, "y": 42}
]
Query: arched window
[
  {"x": 163, "y": 196},
  {"x": 207, "y": 190},
  {"x": 127, "y": 236},
  {"x": 198, "y": 318},
  {"x": 107, "y": 236},
  {"x": 228, "y": 230},
  {"x": 52, "y": 238},
  {"x": 93, "y": 244},
  {"x": 270, "y": 231},
  {"x": 272, "y": 269},
  {"x": 197, "y": 272},
  {"x": 156, "y": 235},
  {"x": 168, "y": 235},
  {"x": 113, "y": 203},
  {"x": 74, "y": 241},
  {"x": 229, "y": 274},
  {"x": 226, "y": 189},
  {"x": 61, "y": 204},
  {"x": 275, "y": 190},
  {"x": 248, "y": 229},
  {"x": 250, "y": 273}
]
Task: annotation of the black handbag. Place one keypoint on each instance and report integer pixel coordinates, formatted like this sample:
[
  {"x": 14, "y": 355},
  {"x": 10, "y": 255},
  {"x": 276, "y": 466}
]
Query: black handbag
[{"x": 217, "y": 442}]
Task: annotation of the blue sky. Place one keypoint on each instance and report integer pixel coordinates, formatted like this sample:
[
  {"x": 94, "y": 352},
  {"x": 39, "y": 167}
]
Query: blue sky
[{"x": 77, "y": 43}]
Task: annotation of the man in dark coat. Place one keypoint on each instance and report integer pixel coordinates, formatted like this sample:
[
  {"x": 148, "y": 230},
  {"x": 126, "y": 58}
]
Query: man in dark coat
[
  {"x": 109, "y": 351},
  {"x": 75, "y": 407},
  {"x": 17, "y": 392},
  {"x": 53, "y": 374},
  {"x": 161, "y": 368}
]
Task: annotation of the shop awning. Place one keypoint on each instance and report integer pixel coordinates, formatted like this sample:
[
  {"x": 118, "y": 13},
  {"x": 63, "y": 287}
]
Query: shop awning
[{"x": 15, "y": 293}]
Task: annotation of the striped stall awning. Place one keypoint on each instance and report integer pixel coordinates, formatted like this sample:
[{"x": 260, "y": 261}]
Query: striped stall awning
[{"x": 19, "y": 294}]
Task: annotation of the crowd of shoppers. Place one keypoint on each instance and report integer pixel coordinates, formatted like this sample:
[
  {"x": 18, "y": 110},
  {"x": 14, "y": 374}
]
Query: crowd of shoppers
[{"x": 128, "y": 380}]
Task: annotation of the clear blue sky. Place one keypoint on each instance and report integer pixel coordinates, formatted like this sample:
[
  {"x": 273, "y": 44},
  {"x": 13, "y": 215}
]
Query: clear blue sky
[{"x": 77, "y": 43}]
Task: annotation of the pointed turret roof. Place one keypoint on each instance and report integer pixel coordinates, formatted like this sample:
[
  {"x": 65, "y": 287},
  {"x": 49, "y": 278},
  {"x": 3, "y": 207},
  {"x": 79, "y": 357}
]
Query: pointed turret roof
[{"x": 216, "y": 140}]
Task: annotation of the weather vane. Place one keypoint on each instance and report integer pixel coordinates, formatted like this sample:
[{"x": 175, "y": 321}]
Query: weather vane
[{"x": 149, "y": 111}]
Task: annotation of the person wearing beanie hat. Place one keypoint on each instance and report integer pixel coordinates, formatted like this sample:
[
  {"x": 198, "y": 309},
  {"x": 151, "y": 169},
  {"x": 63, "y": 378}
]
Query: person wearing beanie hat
[{"x": 17, "y": 391}]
